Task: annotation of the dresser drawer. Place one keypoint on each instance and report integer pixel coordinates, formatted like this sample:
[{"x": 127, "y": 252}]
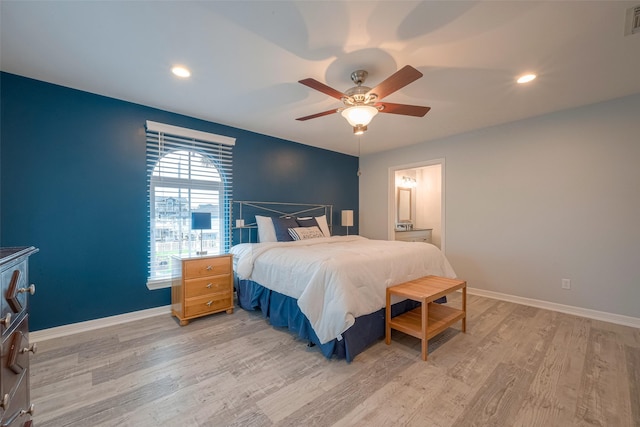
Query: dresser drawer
[
  {"x": 414, "y": 236},
  {"x": 15, "y": 364},
  {"x": 206, "y": 285},
  {"x": 14, "y": 277},
  {"x": 194, "y": 268},
  {"x": 208, "y": 304},
  {"x": 15, "y": 414}
]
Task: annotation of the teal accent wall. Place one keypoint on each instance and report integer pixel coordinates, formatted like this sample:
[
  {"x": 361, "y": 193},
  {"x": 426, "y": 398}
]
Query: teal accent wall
[{"x": 73, "y": 184}]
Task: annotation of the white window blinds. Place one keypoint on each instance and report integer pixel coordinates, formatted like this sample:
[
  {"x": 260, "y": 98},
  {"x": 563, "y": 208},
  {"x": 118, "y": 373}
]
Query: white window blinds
[{"x": 188, "y": 172}]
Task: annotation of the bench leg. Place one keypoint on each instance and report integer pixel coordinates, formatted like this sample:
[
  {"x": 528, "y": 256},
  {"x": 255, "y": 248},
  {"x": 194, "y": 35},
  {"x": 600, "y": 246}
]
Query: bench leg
[
  {"x": 387, "y": 318},
  {"x": 425, "y": 326},
  {"x": 464, "y": 309}
]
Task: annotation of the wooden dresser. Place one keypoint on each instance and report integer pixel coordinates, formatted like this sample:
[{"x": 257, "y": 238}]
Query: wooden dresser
[
  {"x": 15, "y": 402},
  {"x": 201, "y": 286}
]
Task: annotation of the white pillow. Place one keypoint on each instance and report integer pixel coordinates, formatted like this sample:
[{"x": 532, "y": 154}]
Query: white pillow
[
  {"x": 266, "y": 230},
  {"x": 324, "y": 227},
  {"x": 304, "y": 233}
]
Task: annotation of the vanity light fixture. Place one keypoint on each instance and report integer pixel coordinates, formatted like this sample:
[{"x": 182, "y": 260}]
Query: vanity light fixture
[
  {"x": 526, "y": 78},
  {"x": 408, "y": 182},
  {"x": 181, "y": 71}
]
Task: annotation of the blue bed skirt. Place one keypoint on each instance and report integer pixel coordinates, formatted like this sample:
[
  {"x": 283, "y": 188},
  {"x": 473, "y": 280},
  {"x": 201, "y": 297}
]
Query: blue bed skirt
[{"x": 283, "y": 311}]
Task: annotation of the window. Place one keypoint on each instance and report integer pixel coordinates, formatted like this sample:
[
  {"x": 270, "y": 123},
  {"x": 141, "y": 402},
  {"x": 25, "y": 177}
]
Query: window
[{"x": 187, "y": 171}]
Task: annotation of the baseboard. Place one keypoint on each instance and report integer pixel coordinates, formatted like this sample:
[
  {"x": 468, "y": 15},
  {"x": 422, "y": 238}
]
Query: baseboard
[
  {"x": 568, "y": 309},
  {"x": 74, "y": 328},
  {"x": 90, "y": 325}
]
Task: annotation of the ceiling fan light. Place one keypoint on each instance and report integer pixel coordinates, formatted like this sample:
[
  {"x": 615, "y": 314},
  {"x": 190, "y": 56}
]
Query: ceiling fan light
[
  {"x": 359, "y": 129},
  {"x": 359, "y": 115}
]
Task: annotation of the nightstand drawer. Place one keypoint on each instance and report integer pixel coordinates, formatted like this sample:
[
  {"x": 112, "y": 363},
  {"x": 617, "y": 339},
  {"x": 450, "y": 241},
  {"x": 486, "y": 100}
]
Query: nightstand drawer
[
  {"x": 194, "y": 268},
  {"x": 208, "y": 304},
  {"x": 206, "y": 285}
]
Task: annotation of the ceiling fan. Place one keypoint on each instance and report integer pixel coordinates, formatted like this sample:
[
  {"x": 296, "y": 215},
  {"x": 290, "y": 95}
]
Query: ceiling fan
[{"x": 361, "y": 103}]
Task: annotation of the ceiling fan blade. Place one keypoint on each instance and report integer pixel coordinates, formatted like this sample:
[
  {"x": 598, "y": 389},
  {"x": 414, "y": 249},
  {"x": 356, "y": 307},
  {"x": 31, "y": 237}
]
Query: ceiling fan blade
[
  {"x": 314, "y": 84},
  {"x": 313, "y": 116},
  {"x": 396, "y": 81},
  {"x": 404, "y": 109}
]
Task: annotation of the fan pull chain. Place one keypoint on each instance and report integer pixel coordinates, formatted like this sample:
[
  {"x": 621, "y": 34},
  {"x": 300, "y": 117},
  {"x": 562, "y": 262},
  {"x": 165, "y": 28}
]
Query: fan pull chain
[{"x": 359, "y": 172}]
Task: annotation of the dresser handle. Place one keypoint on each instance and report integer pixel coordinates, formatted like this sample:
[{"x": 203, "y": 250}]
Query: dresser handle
[
  {"x": 209, "y": 285},
  {"x": 31, "y": 289},
  {"x": 7, "y": 320},
  {"x": 209, "y": 267},
  {"x": 6, "y": 399},
  {"x": 32, "y": 349},
  {"x": 10, "y": 421},
  {"x": 28, "y": 411},
  {"x": 209, "y": 303}
]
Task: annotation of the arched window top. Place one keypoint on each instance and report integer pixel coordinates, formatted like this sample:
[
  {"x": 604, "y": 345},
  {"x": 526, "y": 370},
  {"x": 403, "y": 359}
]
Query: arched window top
[{"x": 187, "y": 164}]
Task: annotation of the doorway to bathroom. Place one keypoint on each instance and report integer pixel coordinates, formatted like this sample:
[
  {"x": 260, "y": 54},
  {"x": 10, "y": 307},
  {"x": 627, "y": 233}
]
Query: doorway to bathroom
[{"x": 416, "y": 201}]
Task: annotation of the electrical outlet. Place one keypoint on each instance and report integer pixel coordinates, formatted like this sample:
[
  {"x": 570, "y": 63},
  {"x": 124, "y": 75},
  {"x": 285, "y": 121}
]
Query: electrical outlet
[{"x": 566, "y": 283}]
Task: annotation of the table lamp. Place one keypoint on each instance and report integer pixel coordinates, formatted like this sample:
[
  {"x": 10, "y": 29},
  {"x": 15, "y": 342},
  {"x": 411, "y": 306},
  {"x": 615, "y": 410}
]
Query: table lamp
[
  {"x": 347, "y": 219},
  {"x": 201, "y": 221}
]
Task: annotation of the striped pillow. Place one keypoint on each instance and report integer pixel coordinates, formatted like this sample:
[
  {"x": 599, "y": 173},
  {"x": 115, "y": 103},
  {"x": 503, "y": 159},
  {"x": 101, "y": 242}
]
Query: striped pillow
[{"x": 303, "y": 233}]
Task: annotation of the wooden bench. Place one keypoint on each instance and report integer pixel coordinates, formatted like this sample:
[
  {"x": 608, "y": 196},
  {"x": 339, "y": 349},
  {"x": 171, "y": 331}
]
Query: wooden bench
[{"x": 430, "y": 318}]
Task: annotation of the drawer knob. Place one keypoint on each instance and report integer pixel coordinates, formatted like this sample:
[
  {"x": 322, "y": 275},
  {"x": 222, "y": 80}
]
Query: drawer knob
[
  {"x": 7, "y": 320},
  {"x": 28, "y": 411},
  {"x": 31, "y": 289},
  {"x": 209, "y": 267},
  {"x": 33, "y": 348},
  {"x": 6, "y": 399},
  {"x": 209, "y": 285},
  {"x": 209, "y": 303}
]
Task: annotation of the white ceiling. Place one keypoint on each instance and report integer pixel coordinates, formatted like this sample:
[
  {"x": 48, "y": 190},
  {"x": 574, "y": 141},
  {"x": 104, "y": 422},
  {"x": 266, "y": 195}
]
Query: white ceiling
[{"x": 247, "y": 56}]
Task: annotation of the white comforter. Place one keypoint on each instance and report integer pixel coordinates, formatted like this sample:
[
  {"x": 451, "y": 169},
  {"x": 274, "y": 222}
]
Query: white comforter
[{"x": 337, "y": 279}]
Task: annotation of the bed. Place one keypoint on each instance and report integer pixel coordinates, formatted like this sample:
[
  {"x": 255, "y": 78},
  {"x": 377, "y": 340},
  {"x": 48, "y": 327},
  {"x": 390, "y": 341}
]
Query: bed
[{"x": 328, "y": 290}]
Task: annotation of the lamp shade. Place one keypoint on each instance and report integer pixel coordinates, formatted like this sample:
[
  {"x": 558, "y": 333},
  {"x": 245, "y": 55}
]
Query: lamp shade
[
  {"x": 359, "y": 115},
  {"x": 200, "y": 220},
  {"x": 347, "y": 218}
]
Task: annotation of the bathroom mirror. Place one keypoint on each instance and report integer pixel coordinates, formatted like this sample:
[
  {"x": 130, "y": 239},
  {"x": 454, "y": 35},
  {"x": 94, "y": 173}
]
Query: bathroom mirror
[{"x": 404, "y": 205}]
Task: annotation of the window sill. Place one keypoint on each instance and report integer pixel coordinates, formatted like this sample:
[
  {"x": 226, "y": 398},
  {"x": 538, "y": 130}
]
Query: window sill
[{"x": 152, "y": 285}]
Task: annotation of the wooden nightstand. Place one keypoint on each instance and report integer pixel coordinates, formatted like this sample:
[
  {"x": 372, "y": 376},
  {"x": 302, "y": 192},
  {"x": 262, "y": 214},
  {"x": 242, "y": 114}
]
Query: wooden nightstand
[{"x": 201, "y": 286}]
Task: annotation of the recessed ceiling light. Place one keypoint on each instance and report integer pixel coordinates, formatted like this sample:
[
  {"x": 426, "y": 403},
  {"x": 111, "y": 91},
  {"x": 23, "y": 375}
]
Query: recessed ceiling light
[
  {"x": 180, "y": 71},
  {"x": 526, "y": 78}
]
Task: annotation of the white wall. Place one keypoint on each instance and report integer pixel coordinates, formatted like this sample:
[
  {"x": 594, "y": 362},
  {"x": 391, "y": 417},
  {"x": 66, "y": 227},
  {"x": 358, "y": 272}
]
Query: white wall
[
  {"x": 534, "y": 201},
  {"x": 428, "y": 204}
]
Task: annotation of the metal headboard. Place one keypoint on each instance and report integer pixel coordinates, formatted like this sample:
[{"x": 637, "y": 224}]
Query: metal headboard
[{"x": 247, "y": 211}]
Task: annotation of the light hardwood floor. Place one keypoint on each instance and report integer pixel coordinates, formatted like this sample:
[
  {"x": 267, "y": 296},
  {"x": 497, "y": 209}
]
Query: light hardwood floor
[{"x": 515, "y": 366}]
